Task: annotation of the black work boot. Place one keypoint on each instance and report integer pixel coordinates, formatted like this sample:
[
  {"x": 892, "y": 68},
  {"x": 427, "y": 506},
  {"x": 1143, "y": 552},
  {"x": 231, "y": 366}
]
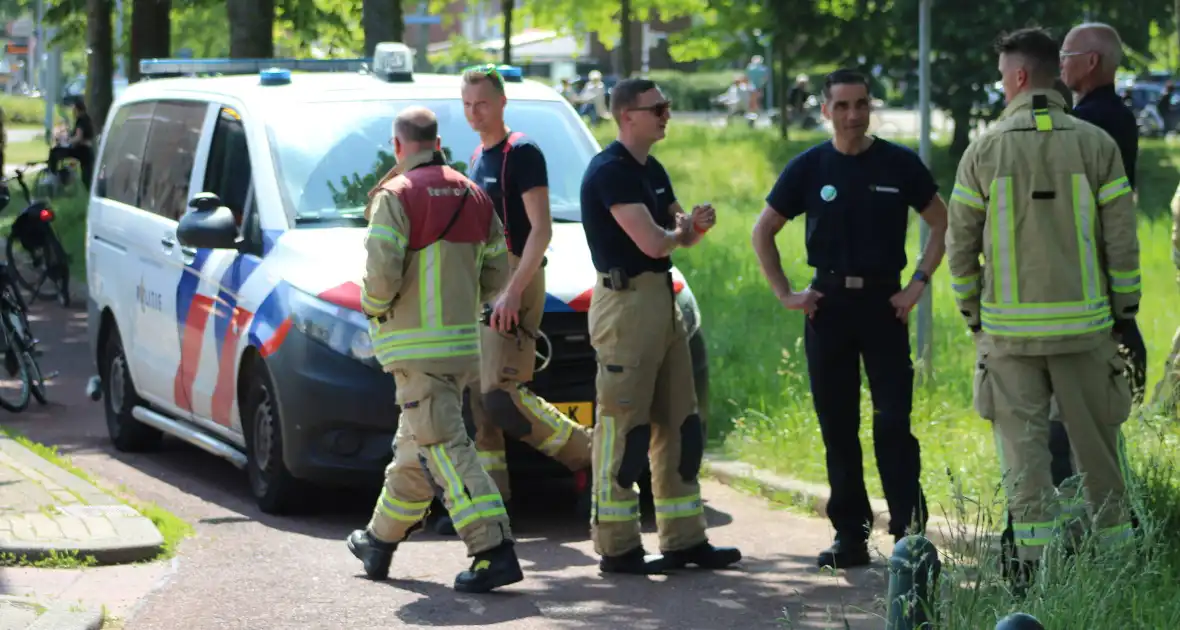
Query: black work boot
[
  {"x": 635, "y": 562},
  {"x": 704, "y": 556},
  {"x": 375, "y": 554},
  {"x": 490, "y": 569},
  {"x": 844, "y": 554}
]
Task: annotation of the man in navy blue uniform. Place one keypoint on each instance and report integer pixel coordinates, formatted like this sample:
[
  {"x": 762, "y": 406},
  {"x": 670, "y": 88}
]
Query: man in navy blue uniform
[{"x": 855, "y": 192}]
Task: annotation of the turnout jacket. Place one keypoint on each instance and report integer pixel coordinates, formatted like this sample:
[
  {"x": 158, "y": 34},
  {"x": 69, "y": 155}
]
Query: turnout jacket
[
  {"x": 1043, "y": 198},
  {"x": 436, "y": 252}
]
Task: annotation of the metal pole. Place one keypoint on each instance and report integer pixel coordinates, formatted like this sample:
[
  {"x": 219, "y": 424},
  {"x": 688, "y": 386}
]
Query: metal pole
[
  {"x": 121, "y": 60},
  {"x": 52, "y": 89},
  {"x": 925, "y": 305}
]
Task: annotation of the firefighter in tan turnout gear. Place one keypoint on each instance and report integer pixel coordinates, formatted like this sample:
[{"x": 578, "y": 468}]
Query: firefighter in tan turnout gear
[
  {"x": 1044, "y": 199},
  {"x": 646, "y": 399},
  {"x": 428, "y": 222},
  {"x": 510, "y": 167}
]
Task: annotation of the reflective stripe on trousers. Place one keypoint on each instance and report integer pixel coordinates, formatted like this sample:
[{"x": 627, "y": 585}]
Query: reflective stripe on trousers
[
  {"x": 603, "y": 506},
  {"x": 464, "y": 510}
]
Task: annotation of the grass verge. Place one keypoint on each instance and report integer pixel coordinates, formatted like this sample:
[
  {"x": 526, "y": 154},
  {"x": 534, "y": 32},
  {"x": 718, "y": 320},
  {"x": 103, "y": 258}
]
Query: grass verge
[
  {"x": 172, "y": 528},
  {"x": 761, "y": 410}
]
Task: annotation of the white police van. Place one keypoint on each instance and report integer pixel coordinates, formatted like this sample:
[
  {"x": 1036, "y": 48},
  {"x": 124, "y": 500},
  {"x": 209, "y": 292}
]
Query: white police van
[{"x": 240, "y": 330}]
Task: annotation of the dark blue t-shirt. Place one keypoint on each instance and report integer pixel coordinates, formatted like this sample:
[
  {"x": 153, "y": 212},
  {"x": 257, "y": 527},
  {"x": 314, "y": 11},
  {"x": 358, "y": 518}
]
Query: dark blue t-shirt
[
  {"x": 1104, "y": 108},
  {"x": 525, "y": 171},
  {"x": 615, "y": 177},
  {"x": 857, "y": 206}
]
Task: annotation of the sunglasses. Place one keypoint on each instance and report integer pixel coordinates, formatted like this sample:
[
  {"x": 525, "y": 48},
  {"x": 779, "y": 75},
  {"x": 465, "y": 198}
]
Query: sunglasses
[
  {"x": 659, "y": 109},
  {"x": 489, "y": 69}
]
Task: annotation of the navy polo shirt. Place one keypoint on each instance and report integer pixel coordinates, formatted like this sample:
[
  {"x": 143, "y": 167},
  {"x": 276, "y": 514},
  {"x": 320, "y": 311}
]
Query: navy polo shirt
[
  {"x": 1106, "y": 109},
  {"x": 614, "y": 177},
  {"x": 525, "y": 171},
  {"x": 856, "y": 206}
]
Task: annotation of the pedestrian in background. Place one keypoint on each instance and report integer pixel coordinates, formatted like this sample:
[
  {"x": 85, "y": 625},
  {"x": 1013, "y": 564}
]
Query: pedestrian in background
[
  {"x": 1061, "y": 271},
  {"x": 426, "y": 223},
  {"x": 646, "y": 399},
  {"x": 856, "y": 191}
]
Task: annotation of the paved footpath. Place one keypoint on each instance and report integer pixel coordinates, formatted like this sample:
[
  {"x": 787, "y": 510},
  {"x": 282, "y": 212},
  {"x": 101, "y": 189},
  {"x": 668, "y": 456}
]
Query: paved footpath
[{"x": 245, "y": 569}]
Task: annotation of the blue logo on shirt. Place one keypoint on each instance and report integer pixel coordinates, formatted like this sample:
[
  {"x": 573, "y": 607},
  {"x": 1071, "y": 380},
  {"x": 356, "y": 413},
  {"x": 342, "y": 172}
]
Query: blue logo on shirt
[{"x": 827, "y": 193}]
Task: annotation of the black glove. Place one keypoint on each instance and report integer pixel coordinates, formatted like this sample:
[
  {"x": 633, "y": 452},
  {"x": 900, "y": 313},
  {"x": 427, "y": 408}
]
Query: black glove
[{"x": 1134, "y": 352}]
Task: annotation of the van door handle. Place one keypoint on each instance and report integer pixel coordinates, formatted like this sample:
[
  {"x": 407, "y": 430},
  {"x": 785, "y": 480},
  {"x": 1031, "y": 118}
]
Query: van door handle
[{"x": 168, "y": 242}]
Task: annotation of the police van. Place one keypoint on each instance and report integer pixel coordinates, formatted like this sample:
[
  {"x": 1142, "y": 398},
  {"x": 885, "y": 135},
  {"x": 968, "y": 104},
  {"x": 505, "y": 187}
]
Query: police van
[{"x": 225, "y": 252}]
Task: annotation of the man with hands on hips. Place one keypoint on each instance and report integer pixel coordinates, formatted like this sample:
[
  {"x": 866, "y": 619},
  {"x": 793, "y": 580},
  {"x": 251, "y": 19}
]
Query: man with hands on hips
[{"x": 855, "y": 192}]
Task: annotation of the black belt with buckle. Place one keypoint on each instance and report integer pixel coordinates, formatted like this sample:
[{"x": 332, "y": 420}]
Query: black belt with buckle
[
  {"x": 626, "y": 281},
  {"x": 829, "y": 278}
]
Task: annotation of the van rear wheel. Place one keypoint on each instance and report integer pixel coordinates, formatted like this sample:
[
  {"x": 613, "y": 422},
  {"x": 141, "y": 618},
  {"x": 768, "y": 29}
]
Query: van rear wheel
[{"x": 119, "y": 398}]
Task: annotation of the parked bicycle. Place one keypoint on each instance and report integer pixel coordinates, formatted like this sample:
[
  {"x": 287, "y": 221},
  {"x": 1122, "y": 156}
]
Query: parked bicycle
[
  {"x": 19, "y": 347},
  {"x": 33, "y": 247}
]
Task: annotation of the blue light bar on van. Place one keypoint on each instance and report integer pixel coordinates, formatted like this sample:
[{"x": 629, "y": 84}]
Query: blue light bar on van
[
  {"x": 510, "y": 73},
  {"x": 158, "y": 67},
  {"x": 275, "y": 76}
]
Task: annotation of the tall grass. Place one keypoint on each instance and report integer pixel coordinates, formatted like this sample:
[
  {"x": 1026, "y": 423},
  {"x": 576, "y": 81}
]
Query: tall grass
[{"x": 761, "y": 409}]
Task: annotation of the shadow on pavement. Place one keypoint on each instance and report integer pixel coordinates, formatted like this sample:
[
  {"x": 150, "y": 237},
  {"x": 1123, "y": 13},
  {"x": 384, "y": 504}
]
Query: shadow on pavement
[
  {"x": 745, "y": 597},
  {"x": 76, "y": 426}
]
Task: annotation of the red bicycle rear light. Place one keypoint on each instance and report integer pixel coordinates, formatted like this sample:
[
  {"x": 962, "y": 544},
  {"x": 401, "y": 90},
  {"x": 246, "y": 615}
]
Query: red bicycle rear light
[{"x": 46, "y": 215}]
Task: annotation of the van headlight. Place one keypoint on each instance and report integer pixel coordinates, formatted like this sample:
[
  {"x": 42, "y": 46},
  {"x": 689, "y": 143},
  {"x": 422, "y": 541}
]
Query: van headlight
[
  {"x": 689, "y": 309},
  {"x": 343, "y": 330}
]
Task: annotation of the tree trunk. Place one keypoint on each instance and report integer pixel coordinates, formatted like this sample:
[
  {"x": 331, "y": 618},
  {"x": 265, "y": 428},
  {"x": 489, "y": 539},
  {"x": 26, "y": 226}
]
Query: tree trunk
[
  {"x": 626, "y": 65},
  {"x": 151, "y": 33},
  {"x": 962, "y": 137},
  {"x": 1176, "y": 22},
  {"x": 508, "y": 7},
  {"x": 251, "y": 28},
  {"x": 383, "y": 21},
  {"x": 100, "y": 71}
]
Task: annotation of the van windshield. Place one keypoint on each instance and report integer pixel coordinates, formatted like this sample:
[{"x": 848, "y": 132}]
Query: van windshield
[{"x": 329, "y": 155}]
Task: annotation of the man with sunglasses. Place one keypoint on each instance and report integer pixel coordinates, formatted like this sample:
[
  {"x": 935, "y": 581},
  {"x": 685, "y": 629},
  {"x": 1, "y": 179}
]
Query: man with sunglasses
[
  {"x": 510, "y": 167},
  {"x": 647, "y": 406},
  {"x": 855, "y": 193}
]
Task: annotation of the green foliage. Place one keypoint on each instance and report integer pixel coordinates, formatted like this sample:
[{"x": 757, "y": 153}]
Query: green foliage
[
  {"x": 354, "y": 191},
  {"x": 462, "y": 52},
  {"x": 692, "y": 91},
  {"x": 24, "y": 110}
]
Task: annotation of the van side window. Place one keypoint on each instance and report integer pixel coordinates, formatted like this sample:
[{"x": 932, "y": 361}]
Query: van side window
[
  {"x": 228, "y": 172},
  {"x": 168, "y": 158},
  {"x": 122, "y": 157}
]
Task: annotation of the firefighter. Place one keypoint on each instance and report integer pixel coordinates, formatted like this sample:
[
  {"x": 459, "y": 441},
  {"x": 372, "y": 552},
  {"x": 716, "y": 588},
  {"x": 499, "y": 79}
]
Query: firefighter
[
  {"x": 429, "y": 222},
  {"x": 855, "y": 192},
  {"x": 510, "y": 167},
  {"x": 1060, "y": 280},
  {"x": 646, "y": 398}
]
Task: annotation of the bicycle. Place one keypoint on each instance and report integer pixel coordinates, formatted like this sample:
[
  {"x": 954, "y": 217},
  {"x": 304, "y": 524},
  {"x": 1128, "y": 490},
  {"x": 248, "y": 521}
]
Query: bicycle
[
  {"x": 18, "y": 344},
  {"x": 32, "y": 231}
]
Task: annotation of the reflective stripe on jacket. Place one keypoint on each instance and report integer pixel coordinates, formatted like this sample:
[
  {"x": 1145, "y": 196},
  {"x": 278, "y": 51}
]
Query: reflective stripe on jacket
[
  {"x": 1043, "y": 198},
  {"x": 422, "y": 293}
]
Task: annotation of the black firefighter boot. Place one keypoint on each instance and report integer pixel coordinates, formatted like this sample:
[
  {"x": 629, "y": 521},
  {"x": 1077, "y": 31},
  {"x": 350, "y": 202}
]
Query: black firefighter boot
[
  {"x": 703, "y": 555},
  {"x": 491, "y": 569},
  {"x": 375, "y": 554},
  {"x": 634, "y": 562}
]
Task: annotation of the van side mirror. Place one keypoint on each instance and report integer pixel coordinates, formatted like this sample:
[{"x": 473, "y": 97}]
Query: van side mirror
[{"x": 209, "y": 225}]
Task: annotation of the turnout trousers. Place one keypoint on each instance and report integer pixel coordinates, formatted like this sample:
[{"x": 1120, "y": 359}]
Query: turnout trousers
[
  {"x": 848, "y": 325},
  {"x": 646, "y": 412},
  {"x": 431, "y": 437},
  {"x": 1094, "y": 397},
  {"x": 507, "y": 406}
]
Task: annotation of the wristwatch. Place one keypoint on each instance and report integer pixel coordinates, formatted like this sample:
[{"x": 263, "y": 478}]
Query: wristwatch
[{"x": 921, "y": 276}]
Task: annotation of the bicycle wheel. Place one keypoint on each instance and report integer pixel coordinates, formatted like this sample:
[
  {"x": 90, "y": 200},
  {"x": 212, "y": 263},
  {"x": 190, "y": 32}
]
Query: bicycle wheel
[
  {"x": 15, "y": 313},
  {"x": 36, "y": 378},
  {"x": 16, "y": 363},
  {"x": 39, "y": 271}
]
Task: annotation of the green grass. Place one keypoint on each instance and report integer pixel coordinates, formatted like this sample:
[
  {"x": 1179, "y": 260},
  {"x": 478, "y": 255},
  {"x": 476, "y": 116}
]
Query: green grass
[
  {"x": 761, "y": 410},
  {"x": 21, "y": 153},
  {"x": 172, "y": 528}
]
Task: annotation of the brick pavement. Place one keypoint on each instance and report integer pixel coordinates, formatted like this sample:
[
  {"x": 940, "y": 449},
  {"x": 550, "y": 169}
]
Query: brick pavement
[{"x": 45, "y": 509}]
